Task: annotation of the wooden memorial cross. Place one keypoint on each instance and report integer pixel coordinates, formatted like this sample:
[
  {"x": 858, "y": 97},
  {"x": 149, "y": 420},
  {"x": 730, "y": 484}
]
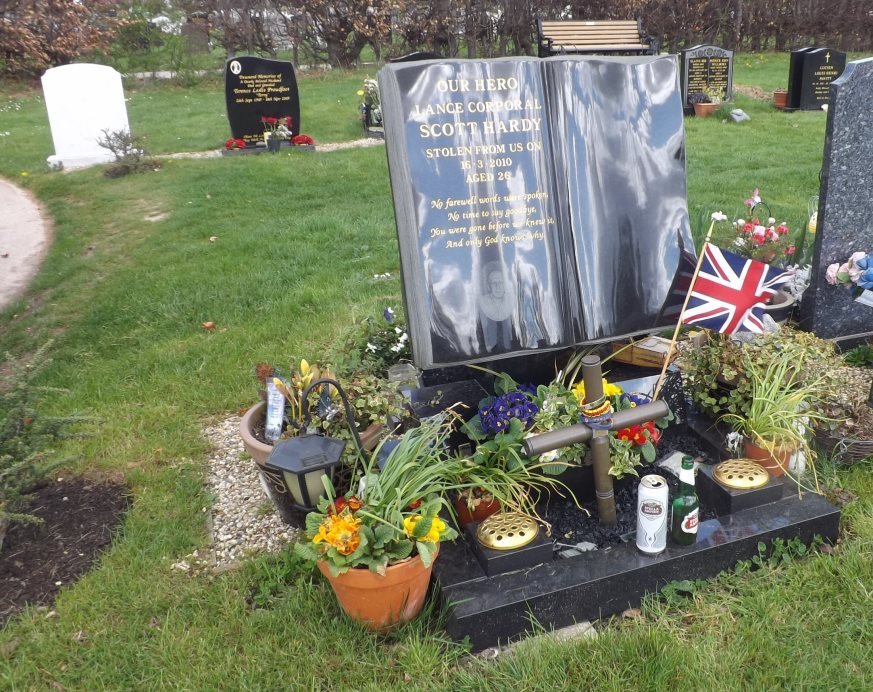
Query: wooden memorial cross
[{"x": 599, "y": 437}]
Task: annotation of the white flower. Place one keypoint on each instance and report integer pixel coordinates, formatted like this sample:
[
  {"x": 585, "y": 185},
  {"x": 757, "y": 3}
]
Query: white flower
[
  {"x": 549, "y": 457},
  {"x": 371, "y": 347},
  {"x": 398, "y": 330},
  {"x": 397, "y": 348},
  {"x": 404, "y": 338},
  {"x": 718, "y": 216},
  {"x": 771, "y": 220}
]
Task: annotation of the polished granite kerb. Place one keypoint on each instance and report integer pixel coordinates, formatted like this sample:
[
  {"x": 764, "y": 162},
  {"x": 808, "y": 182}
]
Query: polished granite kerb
[{"x": 493, "y": 610}]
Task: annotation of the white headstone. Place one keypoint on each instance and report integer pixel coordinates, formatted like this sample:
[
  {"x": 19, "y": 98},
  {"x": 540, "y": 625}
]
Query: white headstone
[{"x": 82, "y": 101}]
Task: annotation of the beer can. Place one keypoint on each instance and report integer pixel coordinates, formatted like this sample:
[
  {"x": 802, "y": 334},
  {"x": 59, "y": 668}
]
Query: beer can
[{"x": 652, "y": 496}]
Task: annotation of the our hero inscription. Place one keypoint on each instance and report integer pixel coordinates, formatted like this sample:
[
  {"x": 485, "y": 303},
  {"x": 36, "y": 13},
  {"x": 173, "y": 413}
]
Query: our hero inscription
[{"x": 484, "y": 137}]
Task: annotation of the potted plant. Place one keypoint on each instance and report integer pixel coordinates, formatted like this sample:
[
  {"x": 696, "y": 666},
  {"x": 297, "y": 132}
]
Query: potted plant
[
  {"x": 377, "y": 548},
  {"x": 702, "y": 103},
  {"x": 780, "y": 417},
  {"x": 780, "y": 98}
]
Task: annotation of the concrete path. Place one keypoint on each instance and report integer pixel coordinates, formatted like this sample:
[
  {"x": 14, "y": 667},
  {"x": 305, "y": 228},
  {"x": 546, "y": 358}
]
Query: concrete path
[{"x": 25, "y": 236}]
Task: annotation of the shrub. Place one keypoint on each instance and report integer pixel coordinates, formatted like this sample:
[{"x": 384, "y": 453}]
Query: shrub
[{"x": 26, "y": 437}]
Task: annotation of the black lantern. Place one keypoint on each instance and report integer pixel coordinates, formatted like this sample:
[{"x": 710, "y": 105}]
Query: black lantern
[{"x": 303, "y": 461}]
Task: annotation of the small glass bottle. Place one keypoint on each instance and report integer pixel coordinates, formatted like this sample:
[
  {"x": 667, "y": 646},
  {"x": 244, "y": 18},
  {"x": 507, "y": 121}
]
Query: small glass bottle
[{"x": 686, "y": 507}]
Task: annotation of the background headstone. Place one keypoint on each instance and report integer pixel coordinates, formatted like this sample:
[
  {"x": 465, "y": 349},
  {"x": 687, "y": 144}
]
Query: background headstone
[
  {"x": 845, "y": 221},
  {"x": 195, "y": 32},
  {"x": 810, "y": 74},
  {"x": 82, "y": 101},
  {"x": 707, "y": 67},
  {"x": 257, "y": 87}
]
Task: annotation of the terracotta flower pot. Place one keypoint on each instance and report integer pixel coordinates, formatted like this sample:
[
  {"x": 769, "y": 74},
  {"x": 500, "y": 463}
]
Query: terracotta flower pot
[
  {"x": 704, "y": 110},
  {"x": 271, "y": 481},
  {"x": 780, "y": 98},
  {"x": 259, "y": 451},
  {"x": 776, "y": 462},
  {"x": 381, "y": 603},
  {"x": 480, "y": 512}
]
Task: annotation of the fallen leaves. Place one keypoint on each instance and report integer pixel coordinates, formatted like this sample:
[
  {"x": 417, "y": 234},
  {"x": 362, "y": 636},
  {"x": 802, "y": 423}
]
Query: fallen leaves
[{"x": 208, "y": 326}]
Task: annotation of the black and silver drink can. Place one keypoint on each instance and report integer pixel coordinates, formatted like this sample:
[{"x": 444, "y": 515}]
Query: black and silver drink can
[{"x": 652, "y": 496}]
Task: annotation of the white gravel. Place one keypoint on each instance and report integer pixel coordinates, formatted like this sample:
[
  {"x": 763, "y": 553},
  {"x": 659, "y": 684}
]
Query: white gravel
[{"x": 243, "y": 519}]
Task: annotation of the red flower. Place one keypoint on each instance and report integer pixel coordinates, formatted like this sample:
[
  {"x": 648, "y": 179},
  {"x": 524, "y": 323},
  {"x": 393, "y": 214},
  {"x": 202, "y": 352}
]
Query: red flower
[
  {"x": 271, "y": 121},
  {"x": 415, "y": 505},
  {"x": 781, "y": 229},
  {"x": 790, "y": 250},
  {"x": 240, "y": 144},
  {"x": 288, "y": 121},
  {"x": 354, "y": 503},
  {"x": 229, "y": 144},
  {"x": 338, "y": 506},
  {"x": 302, "y": 139},
  {"x": 748, "y": 228}
]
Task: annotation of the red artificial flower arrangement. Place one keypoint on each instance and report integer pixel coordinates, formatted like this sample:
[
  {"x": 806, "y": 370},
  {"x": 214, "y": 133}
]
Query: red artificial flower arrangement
[
  {"x": 302, "y": 139},
  {"x": 278, "y": 128},
  {"x": 235, "y": 144}
]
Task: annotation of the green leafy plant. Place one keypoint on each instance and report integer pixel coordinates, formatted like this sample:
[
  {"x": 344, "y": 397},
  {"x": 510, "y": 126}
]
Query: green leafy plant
[
  {"x": 397, "y": 514},
  {"x": 374, "y": 345},
  {"x": 27, "y": 436},
  {"x": 129, "y": 152},
  {"x": 270, "y": 576},
  {"x": 860, "y": 356}
]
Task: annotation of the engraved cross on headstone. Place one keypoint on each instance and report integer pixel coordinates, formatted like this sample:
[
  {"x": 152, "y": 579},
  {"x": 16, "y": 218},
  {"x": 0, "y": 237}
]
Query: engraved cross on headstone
[{"x": 599, "y": 438}]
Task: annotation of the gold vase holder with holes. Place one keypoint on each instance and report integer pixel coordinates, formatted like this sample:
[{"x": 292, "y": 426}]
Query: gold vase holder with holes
[
  {"x": 741, "y": 474},
  {"x": 507, "y": 531}
]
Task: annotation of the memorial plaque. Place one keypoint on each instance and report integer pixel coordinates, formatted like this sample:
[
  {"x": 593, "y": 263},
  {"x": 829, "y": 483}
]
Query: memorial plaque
[
  {"x": 846, "y": 201},
  {"x": 539, "y": 203},
  {"x": 255, "y": 88},
  {"x": 811, "y": 72},
  {"x": 707, "y": 68},
  {"x": 82, "y": 101}
]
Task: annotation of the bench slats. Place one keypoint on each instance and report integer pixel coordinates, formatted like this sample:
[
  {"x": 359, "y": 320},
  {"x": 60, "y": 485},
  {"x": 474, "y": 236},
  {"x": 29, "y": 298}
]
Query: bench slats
[{"x": 599, "y": 36}]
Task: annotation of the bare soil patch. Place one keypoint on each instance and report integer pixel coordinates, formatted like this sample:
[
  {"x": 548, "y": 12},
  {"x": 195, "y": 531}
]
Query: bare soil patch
[{"x": 80, "y": 518}]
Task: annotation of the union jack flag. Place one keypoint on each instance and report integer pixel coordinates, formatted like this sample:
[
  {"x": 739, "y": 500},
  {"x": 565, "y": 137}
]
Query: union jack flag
[{"x": 730, "y": 291}]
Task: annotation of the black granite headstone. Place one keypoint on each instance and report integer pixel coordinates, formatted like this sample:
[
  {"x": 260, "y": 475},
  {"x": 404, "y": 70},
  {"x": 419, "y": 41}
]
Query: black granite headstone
[
  {"x": 707, "y": 68},
  {"x": 845, "y": 220},
  {"x": 810, "y": 74},
  {"x": 539, "y": 203},
  {"x": 255, "y": 88}
]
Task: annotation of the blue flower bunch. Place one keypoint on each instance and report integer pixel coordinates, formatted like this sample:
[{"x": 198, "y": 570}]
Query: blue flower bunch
[
  {"x": 496, "y": 417},
  {"x": 632, "y": 400}
]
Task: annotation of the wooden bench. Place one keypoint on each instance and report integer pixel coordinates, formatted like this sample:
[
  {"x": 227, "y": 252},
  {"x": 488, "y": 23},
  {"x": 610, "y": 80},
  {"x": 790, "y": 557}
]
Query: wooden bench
[{"x": 564, "y": 37}]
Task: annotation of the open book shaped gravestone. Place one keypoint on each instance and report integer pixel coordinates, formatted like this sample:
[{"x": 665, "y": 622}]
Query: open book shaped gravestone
[
  {"x": 540, "y": 204},
  {"x": 83, "y": 101}
]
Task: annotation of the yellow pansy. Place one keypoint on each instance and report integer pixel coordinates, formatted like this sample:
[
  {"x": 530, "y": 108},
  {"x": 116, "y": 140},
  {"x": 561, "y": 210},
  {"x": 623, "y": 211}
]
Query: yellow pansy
[{"x": 608, "y": 390}]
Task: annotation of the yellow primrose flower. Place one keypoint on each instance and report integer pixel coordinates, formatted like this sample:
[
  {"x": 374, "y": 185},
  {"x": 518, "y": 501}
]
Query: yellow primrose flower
[
  {"x": 437, "y": 527},
  {"x": 608, "y": 390},
  {"x": 360, "y": 92}
]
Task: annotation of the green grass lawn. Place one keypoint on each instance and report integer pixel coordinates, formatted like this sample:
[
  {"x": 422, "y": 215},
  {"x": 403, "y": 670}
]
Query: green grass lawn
[{"x": 133, "y": 274}]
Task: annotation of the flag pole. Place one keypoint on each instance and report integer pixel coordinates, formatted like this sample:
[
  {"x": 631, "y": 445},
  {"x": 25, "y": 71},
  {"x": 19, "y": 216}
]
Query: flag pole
[{"x": 681, "y": 313}]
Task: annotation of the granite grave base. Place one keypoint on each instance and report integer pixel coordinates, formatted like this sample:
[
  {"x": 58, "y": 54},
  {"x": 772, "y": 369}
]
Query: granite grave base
[
  {"x": 494, "y": 610},
  {"x": 262, "y": 149}
]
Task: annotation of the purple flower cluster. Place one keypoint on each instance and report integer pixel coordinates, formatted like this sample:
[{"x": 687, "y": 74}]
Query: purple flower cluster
[
  {"x": 634, "y": 399},
  {"x": 496, "y": 417}
]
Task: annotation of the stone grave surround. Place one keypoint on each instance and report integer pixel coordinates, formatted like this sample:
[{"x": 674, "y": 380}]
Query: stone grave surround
[
  {"x": 539, "y": 203},
  {"x": 707, "y": 67},
  {"x": 845, "y": 216},
  {"x": 82, "y": 101},
  {"x": 257, "y": 87}
]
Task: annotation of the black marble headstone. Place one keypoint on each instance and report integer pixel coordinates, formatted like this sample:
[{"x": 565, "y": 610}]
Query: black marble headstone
[
  {"x": 810, "y": 74},
  {"x": 255, "y": 88},
  {"x": 539, "y": 203},
  {"x": 845, "y": 217},
  {"x": 707, "y": 68}
]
